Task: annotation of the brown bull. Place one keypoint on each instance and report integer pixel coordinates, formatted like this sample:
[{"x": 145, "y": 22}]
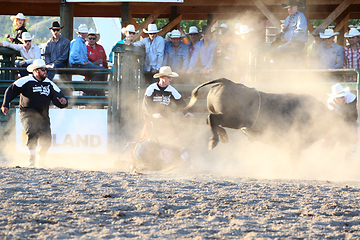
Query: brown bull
[{"x": 289, "y": 121}]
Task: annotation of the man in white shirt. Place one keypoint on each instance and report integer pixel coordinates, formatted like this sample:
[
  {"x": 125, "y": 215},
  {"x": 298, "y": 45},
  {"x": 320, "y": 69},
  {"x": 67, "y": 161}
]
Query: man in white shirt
[{"x": 29, "y": 51}]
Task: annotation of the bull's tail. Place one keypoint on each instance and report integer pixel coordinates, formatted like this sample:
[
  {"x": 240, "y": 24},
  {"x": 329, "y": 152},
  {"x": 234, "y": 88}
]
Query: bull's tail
[{"x": 194, "y": 92}]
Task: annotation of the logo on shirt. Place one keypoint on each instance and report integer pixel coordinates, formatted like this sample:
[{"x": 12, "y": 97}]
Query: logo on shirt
[
  {"x": 162, "y": 99},
  {"x": 43, "y": 90}
]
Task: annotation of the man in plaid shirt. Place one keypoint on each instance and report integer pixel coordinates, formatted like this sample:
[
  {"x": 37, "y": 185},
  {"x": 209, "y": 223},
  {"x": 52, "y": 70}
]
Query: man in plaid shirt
[{"x": 352, "y": 51}]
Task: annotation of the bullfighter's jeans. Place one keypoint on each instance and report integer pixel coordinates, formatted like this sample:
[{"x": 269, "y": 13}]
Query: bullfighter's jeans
[{"x": 37, "y": 129}]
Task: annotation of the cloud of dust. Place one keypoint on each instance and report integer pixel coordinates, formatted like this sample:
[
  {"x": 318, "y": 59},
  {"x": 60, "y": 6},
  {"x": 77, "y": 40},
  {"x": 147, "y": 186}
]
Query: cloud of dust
[{"x": 255, "y": 159}]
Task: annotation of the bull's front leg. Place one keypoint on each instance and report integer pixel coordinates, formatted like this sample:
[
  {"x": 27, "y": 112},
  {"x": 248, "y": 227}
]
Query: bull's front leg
[{"x": 212, "y": 121}]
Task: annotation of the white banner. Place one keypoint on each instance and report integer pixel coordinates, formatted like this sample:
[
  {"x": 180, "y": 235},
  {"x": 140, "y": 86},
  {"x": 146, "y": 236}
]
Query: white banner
[
  {"x": 85, "y": 1},
  {"x": 73, "y": 131}
]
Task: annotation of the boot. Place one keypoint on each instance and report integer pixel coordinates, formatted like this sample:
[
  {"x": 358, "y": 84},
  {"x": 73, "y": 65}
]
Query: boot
[{"x": 31, "y": 162}]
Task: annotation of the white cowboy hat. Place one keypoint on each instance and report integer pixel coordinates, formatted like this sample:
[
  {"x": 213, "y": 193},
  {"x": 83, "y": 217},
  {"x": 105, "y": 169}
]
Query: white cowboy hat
[
  {"x": 152, "y": 28},
  {"x": 338, "y": 91},
  {"x": 165, "y": 71},
  {"x": 176, "y": 34},
  {"x": 93, "y": 32},
  {"x": 37, "y": 63},
  {"x": 328, "y": 33},
  {"x": 352, "y": 33},
  {"x": 19, "y": 16},
  {"x": 26, "y": 36},
  {"x": 129, "y": 28},
  {"x": 82, "y": 29},
  {"x": 223, "y": 25},
  {"x": 193, "y": 29},
  {"x": 238, "y": 25},
  {"x": 244, "y": 29}
]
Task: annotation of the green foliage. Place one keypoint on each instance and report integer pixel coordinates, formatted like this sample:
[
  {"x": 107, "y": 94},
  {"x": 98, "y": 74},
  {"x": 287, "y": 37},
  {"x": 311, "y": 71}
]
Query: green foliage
[{"x": 38, "y": 26}]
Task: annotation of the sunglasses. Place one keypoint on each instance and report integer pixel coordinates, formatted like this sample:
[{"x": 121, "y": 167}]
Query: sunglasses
[
  {"x": 42, "y": 69},
  {"x": 55, "y": 30},
  {"x": 27, "y": 41},
  {"x": 132, "y": 33},
  {"x": 152, "y": 33},
  {"x": 92, "y": 38}
]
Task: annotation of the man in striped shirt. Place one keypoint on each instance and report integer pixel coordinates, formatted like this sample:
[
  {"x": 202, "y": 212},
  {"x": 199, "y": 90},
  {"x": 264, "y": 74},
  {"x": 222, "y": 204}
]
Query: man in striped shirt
[{"x": 352, "y": 51}]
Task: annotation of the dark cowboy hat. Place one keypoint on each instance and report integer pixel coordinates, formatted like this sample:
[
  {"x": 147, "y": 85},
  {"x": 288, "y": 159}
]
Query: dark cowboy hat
[
  {"x": 206, "y": 29},
  {"x": 291, "y": 3},
  {"x": 55, "y": 25}
]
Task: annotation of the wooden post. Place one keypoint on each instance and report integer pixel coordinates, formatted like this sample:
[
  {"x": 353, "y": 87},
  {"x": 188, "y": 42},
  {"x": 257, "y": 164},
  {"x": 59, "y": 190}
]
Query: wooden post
[
  {"x": 268, "y": 14},
  {"x": 336, "y": 13},
  {"x": 210, "y": 19},
  {"x": 341, "y": 27},
  {"x": 67, "y": 19},
  {"x": 126, "y": 15},
  {"x": 173, "y": 16}
]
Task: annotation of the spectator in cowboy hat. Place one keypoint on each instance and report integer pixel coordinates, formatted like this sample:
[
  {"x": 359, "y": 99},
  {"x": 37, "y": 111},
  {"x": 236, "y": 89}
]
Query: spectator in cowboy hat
[
  {"x": 225, "y": 49},
  {"x": 343, "y": 103},
  {"x": 154, "y": 48},
  {"x": 314, "y": 56},
  {"x": 129, "y": 33},
  {"x": 176, "y": 53},
  {"x": 352, "y": 51},
  {"x": 29, "y": 51},
  {"x": 96, "y": 52},
  {"x": 36, "y": 91},
  {"x": 203, "y": 56},
  {"x": 78, "y": 57},
  {"x": 194, "y": 38},
  {"x": 331, "y": 54},
  {"x": 19, "y": 23},
  {"x": 294, "y": 31},
  {"x": 56, "y": 50}
]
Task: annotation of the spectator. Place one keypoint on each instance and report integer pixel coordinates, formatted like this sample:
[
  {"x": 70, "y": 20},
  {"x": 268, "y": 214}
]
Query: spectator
[
  {"x": 343, "y": 103},
  {"x": 29, "y": 51},
  {"x": 96, "y": 52},
  {"x": 314, "y": 55},
  {"x": 225, "y": 48},
  {"x": 129, "y": 33},
  {"x": 19, "y": 22},
  {"x": 78, "y": 57},
  {"x": 352, "y": 51},
  {"x": 203, "y": 55},
  {"x": 56, "y": 50},
  {"x": 36, "y": 92},
  {"x": 243, "y": 48},
  {"x": 176, "y": 53},
  {"x": 331, "y": 54},
  {"x": 194, "y": 37},
  {"x": 294, "y": 31},
  {"x": 154, "y": 48}
]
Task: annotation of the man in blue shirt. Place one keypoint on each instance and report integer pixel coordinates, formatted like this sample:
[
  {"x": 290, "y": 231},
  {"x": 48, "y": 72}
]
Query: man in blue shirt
[
  {"x": 78, "y": 57},
  {"x": 176, "y": 53},
  {"x": 154, "y": 48},
  {"x": 294, "y": 30},
  {"x": 202, "y": 58}
]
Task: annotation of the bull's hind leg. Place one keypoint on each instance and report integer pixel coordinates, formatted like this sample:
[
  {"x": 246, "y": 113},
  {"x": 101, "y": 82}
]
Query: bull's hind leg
[
  {"x": 213, "y": 122},
  {"x": 223, "y": 135}
]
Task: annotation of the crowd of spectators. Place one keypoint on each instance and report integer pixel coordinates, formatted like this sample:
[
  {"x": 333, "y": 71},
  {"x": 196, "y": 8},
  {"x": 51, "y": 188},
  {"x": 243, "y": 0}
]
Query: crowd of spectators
[{"x": 208, "y": 50}]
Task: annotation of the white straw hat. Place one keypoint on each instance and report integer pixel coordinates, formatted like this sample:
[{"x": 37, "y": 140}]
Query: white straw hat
[
  {"x": 328, "y": 33},
  {"x": 129, "y": 28},
  {"x": 193, "y": 29},
  {"x": 19, "y": 16},
  {"x": 244, "y": 29},
  {"x": 152, "y": 28},
  {"x": 338, "y": 91},
  {"x": 176, "y": 34},
  {"x": 82, "y": 29},
  {"x": 37, "y": 63},
  {"x": 25, "y": 36},
  {"x": 165, "y": 71},
  {"x": 352, "y": 33}
]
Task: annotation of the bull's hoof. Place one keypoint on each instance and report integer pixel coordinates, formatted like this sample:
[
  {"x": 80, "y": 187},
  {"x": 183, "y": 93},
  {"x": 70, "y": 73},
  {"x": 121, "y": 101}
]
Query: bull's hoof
[
  {"x": 223, "y": 135},
  {"x": 212, "y": 144}
]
